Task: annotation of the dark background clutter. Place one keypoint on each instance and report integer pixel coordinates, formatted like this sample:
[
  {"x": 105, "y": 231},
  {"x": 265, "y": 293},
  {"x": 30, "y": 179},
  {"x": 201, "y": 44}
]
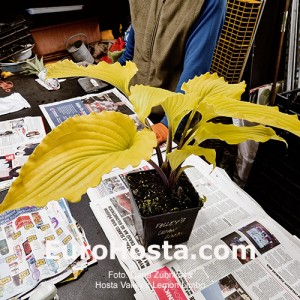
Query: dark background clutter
[{"x": 109, "y": 13}]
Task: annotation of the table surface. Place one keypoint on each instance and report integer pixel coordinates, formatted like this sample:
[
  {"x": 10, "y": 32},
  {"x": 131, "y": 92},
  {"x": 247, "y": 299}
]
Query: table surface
[{"x": 85, "y": 287}]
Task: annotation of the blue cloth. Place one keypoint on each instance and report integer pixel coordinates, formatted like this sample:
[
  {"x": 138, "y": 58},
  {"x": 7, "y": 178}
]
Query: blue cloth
[
  {"x": 200, "y": 45},
  {"x": 129, "y": 48}
]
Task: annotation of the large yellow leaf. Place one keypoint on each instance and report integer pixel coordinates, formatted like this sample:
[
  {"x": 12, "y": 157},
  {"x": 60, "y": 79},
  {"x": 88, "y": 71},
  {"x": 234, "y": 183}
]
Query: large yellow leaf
[
  {"x": 176, "y": 107},
  {"x": 115, "y": 74},
  {"x": 177, "y": 157},
  {"x": 267, "y": 115},
  {"x": 75, "y": 155},
  {"x": 212, "y": 85},
  {"x": 233, "y": 134},
  {"x": 143, "y": 98}
]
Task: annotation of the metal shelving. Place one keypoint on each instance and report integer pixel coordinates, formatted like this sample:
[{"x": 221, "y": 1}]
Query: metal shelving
[{"x": 14, "y": 38}]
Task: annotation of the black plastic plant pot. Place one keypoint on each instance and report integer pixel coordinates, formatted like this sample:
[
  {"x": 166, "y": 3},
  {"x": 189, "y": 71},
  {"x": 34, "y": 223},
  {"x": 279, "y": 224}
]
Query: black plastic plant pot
[{"x": 176, "y": 226}]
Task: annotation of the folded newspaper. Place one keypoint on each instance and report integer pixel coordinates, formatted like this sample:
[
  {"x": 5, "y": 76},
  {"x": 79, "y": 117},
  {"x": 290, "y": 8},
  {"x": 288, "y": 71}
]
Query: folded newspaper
[
  {"x": 214, "y": 265},
  {"x": 26, "y": 257}
]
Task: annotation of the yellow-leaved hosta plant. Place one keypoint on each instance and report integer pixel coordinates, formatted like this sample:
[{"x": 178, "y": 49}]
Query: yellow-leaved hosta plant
[{"x": 75, "y": 155}]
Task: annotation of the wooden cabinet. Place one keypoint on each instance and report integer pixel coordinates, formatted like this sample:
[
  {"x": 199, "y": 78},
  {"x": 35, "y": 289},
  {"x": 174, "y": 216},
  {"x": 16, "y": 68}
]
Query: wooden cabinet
[{"x": 52, "y": 40}]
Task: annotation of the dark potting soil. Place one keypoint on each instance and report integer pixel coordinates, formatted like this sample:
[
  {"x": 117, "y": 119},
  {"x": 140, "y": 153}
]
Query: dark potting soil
[{"x": 153, "y": 199}]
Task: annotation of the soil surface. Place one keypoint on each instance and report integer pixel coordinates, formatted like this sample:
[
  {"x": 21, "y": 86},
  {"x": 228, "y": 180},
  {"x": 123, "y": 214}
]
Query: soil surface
[{"x": 153, "y": 199}]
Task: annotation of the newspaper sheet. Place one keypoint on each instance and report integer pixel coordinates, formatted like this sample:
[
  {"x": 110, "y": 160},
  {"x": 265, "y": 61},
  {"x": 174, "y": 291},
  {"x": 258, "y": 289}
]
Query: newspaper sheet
[
  {"x": 18, "y": 139},
  {"x": 26, "y": 260},
  {"x": 111, "y": 100},
  {"x": 215, "y": 266}
]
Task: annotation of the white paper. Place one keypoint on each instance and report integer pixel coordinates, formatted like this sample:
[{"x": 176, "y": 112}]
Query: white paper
[{"x": 12, "y": 103}]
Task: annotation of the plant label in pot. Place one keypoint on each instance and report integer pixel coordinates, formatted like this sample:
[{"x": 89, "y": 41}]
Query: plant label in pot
[{"x": 160, "y": 215}]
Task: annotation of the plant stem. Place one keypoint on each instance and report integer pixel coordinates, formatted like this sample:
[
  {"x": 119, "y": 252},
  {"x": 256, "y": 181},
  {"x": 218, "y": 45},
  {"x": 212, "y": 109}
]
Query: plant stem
[
  {"x": 187, "y": 126},
  {"x": 157, "y": 148},
  {"x": 160, "y": 173},
  {"x": 169, "y": 141},
  {"x": 159, "y": 155}
]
